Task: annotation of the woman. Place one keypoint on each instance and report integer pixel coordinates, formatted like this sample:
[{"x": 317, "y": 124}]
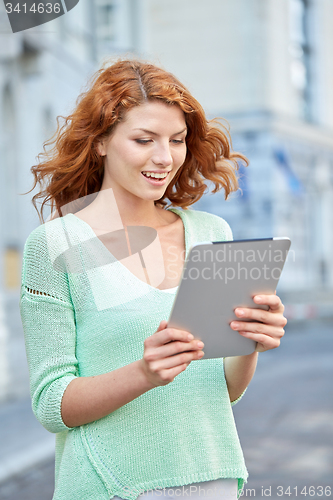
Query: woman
[{"x": 133, "y": 409}]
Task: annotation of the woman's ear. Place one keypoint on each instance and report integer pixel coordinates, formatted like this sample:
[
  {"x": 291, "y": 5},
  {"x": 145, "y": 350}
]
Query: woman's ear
[{"x": 100, "y": 148}]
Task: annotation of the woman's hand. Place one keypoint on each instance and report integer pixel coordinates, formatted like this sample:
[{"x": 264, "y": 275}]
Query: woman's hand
[
  {"x": 266, "y": 327},
  {"x": 165, "y": 354}
]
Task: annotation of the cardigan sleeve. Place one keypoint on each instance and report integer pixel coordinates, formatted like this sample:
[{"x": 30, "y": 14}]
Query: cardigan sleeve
[
  {"x": 48, "y": 321},
  {"x": 224, "y": 230},
  {"x": 239, "y": 398}
]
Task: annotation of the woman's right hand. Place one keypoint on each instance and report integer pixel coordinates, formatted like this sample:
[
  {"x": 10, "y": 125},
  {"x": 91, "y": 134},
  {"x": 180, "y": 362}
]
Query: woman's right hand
[{"x": 167, "y": 353}]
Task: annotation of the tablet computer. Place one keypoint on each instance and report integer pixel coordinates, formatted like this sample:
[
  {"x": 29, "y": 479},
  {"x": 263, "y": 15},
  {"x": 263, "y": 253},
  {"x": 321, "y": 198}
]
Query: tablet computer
[{"x": 219, "y": 276}]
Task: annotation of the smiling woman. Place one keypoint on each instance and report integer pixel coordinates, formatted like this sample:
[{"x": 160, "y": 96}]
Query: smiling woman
[{"x": 134, "y": 406}]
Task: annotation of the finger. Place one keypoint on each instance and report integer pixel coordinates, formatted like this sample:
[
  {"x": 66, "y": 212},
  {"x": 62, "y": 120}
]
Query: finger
[
  {"x": 176, "y": 360},
  {"x": 169, "y": 374},
  {"x": 171, "y": 349},
  {"x": 262, "y": 316},
  {"x": 162, "y": 325},
  {"x": 168, "y": 335},
  {"x": 258, "y": 328},
  {"x": 264, "y": 342},
  {"x": 273, "y": 301}
]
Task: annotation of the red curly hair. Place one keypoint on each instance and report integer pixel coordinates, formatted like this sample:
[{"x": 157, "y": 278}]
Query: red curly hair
[{"x": 74, "y": 169}]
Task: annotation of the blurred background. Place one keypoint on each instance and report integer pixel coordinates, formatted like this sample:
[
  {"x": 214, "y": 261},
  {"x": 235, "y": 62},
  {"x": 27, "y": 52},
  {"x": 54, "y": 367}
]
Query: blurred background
[{"x": 267, "y": 67}]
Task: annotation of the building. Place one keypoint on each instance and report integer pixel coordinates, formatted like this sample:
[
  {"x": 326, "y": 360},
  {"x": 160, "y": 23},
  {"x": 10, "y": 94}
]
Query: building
[
  {"x": 267, "y": 67},
  {"x": 41, "y": 73}
]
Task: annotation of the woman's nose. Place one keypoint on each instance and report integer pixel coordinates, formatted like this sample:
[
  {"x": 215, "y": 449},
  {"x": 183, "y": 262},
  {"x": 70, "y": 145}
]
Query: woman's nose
[{"x": 162, "y": 156}]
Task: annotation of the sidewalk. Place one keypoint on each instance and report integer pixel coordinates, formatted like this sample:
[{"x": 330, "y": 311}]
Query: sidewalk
[
  {"x": 24, "y": 441},
  {"x": 308, "y": 304}
]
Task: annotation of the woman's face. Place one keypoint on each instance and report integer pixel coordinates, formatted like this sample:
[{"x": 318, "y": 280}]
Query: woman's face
[{"x": 150, "y": 139}]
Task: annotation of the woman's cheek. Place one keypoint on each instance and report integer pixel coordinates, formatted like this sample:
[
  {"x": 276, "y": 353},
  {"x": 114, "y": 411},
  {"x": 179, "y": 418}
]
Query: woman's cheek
[{"x": 180, "y": 159}]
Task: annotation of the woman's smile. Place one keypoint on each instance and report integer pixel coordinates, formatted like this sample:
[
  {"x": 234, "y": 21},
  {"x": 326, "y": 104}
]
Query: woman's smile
[{"x": 155, "y": 178}]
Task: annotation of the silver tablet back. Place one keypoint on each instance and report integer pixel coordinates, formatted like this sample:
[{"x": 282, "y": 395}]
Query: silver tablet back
[{"x": 219, "y": 276}]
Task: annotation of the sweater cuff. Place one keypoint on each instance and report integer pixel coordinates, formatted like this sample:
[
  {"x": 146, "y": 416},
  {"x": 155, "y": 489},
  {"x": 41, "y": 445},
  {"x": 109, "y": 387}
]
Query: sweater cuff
[
  {"x": 49, "y": 415},
  {"x": 239, "y": 398}
]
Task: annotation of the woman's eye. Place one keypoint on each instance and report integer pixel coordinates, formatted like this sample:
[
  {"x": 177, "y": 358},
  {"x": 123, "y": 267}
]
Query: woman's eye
[
  {"x": 142, "y": 141},
  {"x": 146, "y": 141}
]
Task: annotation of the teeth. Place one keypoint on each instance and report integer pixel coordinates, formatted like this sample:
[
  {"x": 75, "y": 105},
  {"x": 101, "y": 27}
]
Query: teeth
[{"x": 155, "y": 175}]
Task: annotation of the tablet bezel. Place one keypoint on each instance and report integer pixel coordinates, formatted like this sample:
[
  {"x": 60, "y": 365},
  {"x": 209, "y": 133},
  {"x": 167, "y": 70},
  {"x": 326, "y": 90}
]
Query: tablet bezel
[{"x": 197, "y": 310}]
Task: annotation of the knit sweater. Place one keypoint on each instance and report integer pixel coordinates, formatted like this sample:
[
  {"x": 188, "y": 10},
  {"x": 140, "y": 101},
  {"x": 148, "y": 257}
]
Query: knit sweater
[{"x": 89, "y": 320}]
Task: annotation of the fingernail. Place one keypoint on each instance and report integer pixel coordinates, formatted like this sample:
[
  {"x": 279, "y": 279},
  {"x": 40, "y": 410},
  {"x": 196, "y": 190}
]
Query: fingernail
[
  {"x": 200, "y": 344},
  {"x": 239, "y": 312},
  {"x": 200, "y": 354},
  {"x": 190, "y": 336},
  {"x": 258, "y": 299},
  {"x": 234, "y": 324}
]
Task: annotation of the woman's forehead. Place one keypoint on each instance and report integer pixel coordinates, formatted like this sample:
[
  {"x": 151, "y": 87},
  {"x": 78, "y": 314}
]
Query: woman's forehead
[{"x": 154, "y": 112}]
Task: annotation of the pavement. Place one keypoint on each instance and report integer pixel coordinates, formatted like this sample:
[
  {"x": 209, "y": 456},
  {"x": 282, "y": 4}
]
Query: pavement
[
  {"x": 285, "y": 419},
  {"x": 24, "y": 441}
]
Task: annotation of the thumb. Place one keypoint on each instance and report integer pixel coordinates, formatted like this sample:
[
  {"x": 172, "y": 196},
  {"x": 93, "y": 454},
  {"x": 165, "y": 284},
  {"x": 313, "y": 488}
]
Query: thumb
[{"x": 163, "y": 324}]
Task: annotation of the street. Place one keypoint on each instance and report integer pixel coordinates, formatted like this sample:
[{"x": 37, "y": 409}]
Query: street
[
  {"x": 285, "y": 423},
  {"x": 285, "y": 420}
]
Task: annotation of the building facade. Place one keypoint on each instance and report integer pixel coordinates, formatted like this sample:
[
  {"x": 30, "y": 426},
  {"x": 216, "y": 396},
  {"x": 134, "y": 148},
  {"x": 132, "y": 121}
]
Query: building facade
[
  {"x": 41, "y": 73},
  {"x": 266, "y": 66}
]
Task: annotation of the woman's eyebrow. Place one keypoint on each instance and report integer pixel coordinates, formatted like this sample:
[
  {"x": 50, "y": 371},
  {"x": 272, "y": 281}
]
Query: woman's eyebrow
[{"x": 154, "y": 133}]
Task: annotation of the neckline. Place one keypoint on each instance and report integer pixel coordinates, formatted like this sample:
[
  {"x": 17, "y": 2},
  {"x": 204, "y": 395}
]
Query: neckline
[{"x": 178, "y": 212}]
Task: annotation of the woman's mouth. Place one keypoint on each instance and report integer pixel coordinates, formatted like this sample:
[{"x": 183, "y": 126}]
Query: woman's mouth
[{"x": 155, "y": 178}]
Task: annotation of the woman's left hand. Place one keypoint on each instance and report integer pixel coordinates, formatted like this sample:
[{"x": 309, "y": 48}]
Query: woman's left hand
[{"x": 266, "y": 327}]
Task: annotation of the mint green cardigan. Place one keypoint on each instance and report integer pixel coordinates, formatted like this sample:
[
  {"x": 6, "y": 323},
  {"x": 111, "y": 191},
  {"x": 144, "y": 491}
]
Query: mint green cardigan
[{"x": 94, "y": 319}]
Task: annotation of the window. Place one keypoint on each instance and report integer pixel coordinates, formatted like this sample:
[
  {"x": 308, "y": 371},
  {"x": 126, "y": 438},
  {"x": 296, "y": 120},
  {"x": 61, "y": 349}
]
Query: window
[
  {"x": 106, "y": 18},
  {"x": 118, "y": 26},
  {"x": 299, "y": 49}
]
